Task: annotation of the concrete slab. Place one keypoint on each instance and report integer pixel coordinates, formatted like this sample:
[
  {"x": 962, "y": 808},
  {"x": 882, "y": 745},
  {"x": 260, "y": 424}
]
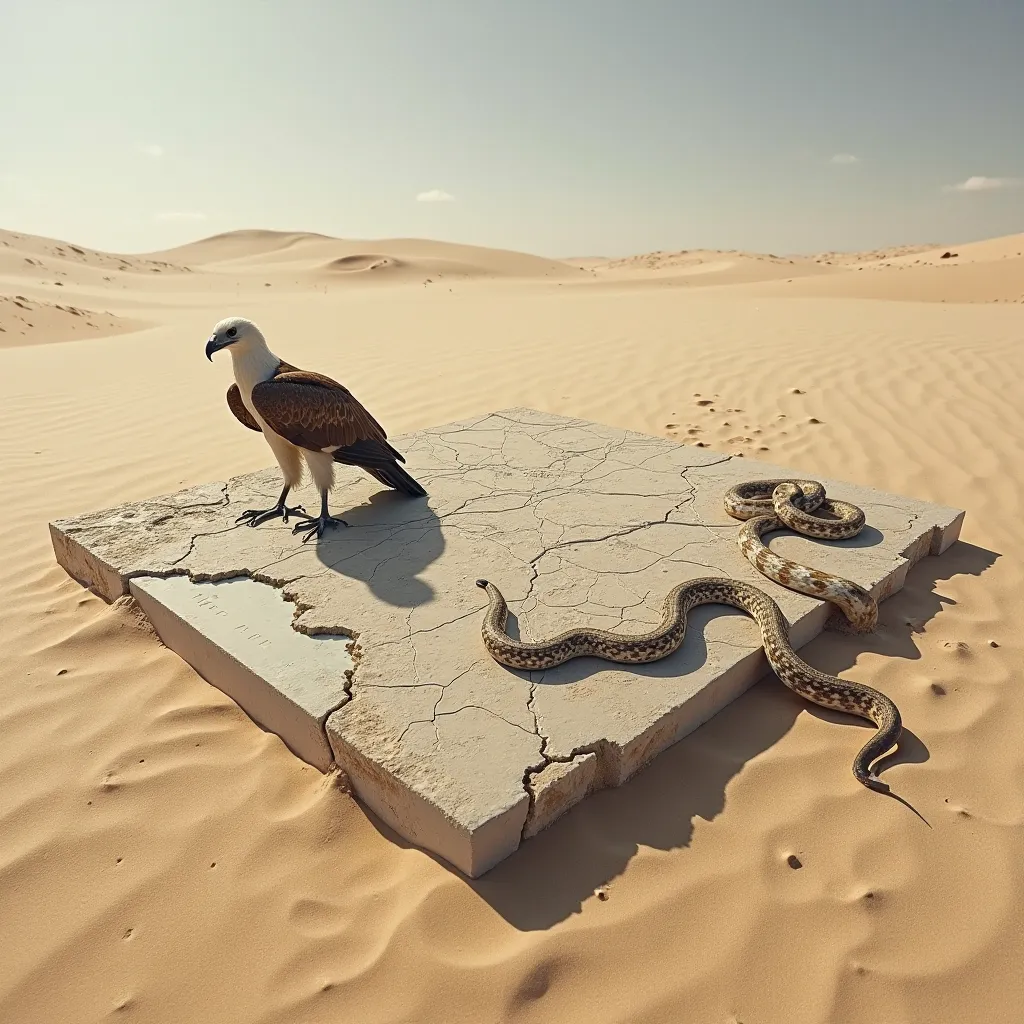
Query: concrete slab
[{"x": 576, "y": 522}]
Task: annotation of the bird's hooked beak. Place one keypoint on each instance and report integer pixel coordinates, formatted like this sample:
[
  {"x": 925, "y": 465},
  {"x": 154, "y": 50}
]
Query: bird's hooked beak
[{"x": 215, "y": 344}]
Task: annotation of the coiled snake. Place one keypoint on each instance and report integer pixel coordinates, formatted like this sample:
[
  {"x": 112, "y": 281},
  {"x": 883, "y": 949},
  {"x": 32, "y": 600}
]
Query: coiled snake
[{"x": 766, "y": 505}]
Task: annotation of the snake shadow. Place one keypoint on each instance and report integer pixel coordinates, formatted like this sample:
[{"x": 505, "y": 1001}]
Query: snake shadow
[
  {"x": 551, "y": 875},
  {"x": 868, "y": 537}
]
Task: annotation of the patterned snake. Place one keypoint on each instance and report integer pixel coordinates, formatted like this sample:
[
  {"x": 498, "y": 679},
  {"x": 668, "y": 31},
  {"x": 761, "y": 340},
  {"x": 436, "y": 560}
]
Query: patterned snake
[{"x": 766, "y": 505}]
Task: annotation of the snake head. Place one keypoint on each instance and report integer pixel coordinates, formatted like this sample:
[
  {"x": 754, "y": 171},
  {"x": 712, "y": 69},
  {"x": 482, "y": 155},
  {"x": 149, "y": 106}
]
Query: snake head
[{"x": 481, "y": 583}]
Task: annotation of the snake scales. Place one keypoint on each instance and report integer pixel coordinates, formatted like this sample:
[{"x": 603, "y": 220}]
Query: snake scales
[{"x": 765, "y": 505}]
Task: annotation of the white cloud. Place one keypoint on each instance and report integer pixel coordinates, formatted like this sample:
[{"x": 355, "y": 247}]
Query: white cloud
[
  {"x": 179, "y": 215},
  {"x": 435, "y": 195},
  {"x": 844, "y": 158},
  {"x": 979, "y": 183},
  {"x": 153, "y": 150}
]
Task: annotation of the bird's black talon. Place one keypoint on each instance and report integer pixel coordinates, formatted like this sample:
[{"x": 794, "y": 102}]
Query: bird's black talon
[
  {"x": 249, "y": 516},
  {"x": 255, "y": 516},
  {"x": 316, "y": 526}
]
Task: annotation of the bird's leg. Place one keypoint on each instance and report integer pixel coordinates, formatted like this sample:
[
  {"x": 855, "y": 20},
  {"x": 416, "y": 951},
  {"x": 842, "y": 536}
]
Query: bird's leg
[
  {"x": 255, "y": 516},
  {"x": 315, "y": 526}
]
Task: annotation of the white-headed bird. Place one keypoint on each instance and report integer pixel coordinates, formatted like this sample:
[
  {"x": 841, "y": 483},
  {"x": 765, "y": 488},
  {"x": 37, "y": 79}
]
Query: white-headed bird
[{"x": 305, "y": 417}]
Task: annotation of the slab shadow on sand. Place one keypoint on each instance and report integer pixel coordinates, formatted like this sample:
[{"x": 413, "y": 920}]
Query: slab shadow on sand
[
  {"x": 387, "y": 545},
  {"x": 550, "y": 876}
]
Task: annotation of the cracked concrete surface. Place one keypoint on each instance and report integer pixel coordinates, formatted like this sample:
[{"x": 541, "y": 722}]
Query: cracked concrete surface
[{"x": 576, "y": 523}]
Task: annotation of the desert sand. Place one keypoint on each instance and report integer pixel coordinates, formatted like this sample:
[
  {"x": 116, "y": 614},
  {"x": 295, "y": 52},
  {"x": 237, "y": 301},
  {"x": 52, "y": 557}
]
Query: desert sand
[{"x": 162, "y": 859}]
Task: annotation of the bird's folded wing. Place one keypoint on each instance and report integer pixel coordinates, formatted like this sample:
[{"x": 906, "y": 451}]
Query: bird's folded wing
[
  {"x": 237, "y": 406},
  {"x": 368, "y": 453},
  {"x": 313, "y": 411}
]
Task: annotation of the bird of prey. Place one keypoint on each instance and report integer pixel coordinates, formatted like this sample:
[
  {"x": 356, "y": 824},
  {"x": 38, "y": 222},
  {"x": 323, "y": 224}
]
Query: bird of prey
[{"x": 304, "y": 416}]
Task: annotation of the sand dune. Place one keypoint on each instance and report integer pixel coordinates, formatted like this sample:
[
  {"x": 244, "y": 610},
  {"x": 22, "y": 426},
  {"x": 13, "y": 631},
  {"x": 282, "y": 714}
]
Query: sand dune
[
  {"x": 17, "y": 249},
  {"x": 703, "y": 268},
  {"x": 164, "y": 860},
  {"x": 990, "y": 250},
  {"x": 27, "y": 322},
  {"x": 359, "y": 262},
  {"x": 967, "y": 283},
  {"x": 988, "y": 271},
  {"x": 843, "y": 259},
  {"x": 260, "y": 251},
  {"x": 249, "y": 245}
]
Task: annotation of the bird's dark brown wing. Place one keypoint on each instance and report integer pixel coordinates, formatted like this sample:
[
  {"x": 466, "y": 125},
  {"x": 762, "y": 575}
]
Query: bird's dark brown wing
[
  {"x": 314, "y": 412},
  {"x": 237, "y": 406}
]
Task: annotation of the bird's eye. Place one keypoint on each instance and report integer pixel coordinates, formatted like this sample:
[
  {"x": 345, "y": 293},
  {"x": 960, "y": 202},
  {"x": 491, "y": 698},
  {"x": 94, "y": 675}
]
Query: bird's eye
[{"x": 232, "y": 331}]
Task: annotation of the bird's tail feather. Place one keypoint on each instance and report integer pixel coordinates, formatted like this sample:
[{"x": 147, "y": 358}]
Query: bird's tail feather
[
  {"x": 394, "y": 476},
  {"x": 378, "y": 458}
]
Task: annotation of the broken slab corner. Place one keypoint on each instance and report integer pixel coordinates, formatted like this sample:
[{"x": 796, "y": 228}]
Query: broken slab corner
[
  {"x": 558, "y": 786},
  {"x": 437, "y": 812}
]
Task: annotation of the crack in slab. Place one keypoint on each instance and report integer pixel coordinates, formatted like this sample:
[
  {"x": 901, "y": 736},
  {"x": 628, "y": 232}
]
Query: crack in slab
[
  {"x": 434, "y": 713},
  {"x": 426, "y": 721},
  {"x": 419, "y": 632},
  {"x": 220, "y": 502},
  {"x": 489, "y": 711}
]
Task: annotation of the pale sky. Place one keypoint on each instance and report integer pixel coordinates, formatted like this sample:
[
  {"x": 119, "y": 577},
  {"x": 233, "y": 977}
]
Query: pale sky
[{"x": 565, "y": 127}]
